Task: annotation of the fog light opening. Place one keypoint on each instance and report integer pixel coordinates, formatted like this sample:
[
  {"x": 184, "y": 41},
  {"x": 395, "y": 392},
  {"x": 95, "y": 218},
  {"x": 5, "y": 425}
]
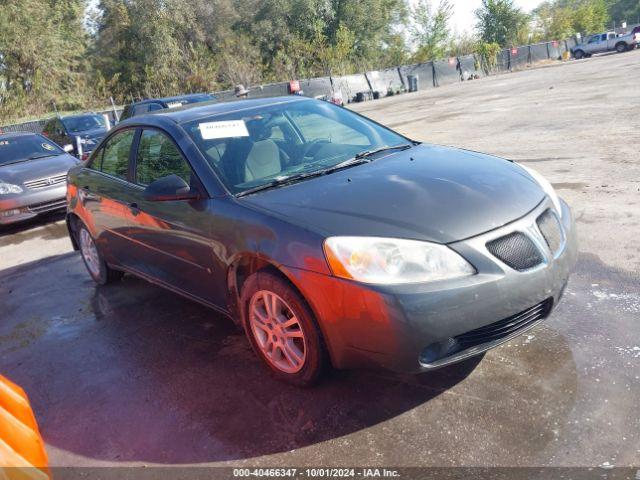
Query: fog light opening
[{"x": 441, "y": 349}]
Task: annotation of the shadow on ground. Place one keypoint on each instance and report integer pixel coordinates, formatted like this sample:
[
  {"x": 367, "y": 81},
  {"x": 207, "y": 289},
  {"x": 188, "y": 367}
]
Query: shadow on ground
[
  {"x": 130, "y": 372},
  {"x": 47, "y": 227}
]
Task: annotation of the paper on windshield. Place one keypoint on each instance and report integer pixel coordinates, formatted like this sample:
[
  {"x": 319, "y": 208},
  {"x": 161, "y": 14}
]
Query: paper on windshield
[{"x": 224, "y": 129}]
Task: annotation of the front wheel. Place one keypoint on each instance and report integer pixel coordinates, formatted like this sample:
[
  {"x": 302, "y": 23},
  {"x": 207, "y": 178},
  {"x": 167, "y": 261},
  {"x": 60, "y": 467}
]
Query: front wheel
[
  {"x": 578, "y": 54},
  {"x": 282, "y": 329},
  {"x": 100, "y": 272}
]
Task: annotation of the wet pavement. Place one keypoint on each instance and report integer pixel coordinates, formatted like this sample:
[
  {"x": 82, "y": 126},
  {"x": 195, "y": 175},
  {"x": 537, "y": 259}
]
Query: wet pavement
[{"x": 129, "y": 373}]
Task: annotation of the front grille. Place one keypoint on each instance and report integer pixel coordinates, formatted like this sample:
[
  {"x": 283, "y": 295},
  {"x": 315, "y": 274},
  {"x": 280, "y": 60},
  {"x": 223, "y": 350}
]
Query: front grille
[
  {"x": 504, "y": 328},
  {"x": 46, "y": 182},
  {"x": 484, "y": 338},
  {"x": 516, "y": 250},
  {"x": 48, "y": 206},
  {"x": 550, "y": 229}
]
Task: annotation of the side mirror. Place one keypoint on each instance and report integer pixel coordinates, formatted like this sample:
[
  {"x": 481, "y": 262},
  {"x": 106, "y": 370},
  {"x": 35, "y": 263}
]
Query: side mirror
[
  {"x": 68, "y": 148},
  {"x": 171, "y": 187}
]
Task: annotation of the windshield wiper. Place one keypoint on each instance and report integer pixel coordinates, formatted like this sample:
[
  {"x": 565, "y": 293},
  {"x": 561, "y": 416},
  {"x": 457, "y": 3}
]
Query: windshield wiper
[
  {"x": 280, "y": 181},
  {"x": 44, "y": 155},
  {"x": 359, "y": 159},
  {"x": 287, "y": 180},
  {"x": 368, "y": 153}
]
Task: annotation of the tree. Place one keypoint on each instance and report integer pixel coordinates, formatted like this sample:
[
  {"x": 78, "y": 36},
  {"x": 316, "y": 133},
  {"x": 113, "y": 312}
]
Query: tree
[
  {"x": 42, "y": 44},
  {"x": 562, "y": 18},
  {"x": 625, "y": 10},
  {"x": 501, "y": 22},
  {"x": 462, "y": 44},
  {"x": 430, "y": 29}
]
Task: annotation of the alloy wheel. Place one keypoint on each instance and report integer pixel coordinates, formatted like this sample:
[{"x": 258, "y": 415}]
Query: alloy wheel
[
  {"x": 89, "y": 252},
  {"x": 277, "y": 331}
]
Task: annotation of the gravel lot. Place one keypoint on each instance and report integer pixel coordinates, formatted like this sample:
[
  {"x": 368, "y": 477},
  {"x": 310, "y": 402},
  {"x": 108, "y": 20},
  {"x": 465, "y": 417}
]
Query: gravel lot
[{"x": 130, "y": 374}]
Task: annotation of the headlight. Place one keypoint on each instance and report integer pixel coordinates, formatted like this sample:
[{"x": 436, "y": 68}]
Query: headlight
[
  {"x": 546, "y": 186},
  {"x": 7, "y": 188},
  {"x": 393, "y": 261}
]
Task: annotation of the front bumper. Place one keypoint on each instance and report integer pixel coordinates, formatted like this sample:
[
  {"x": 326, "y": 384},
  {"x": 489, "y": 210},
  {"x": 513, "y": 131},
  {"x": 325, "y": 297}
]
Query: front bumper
[
  {"x": 31, "y": 203},
  {"x": 412, "y": 328}
]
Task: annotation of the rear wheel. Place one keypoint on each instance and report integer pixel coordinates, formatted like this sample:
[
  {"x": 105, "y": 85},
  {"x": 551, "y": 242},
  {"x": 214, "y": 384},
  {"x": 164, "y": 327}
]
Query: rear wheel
[
  {"x": 621, "y": 47},
  {"x": 578, "y": 54},
  {"x": 100, "y": 272},
  {"x": 282, "y": 329}
]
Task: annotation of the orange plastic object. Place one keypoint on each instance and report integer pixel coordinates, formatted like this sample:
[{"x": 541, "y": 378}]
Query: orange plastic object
[{"x": 22, "y": 453}]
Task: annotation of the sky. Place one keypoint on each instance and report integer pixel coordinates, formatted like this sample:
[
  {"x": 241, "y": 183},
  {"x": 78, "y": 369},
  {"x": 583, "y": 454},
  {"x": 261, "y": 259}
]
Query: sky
[{"x": 464, "y": 20}]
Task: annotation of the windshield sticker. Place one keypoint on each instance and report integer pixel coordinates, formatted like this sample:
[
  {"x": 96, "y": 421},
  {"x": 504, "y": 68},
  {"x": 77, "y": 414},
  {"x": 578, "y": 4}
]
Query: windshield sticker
[
  {"x": 4, "y": 142},
  {"x": 226, "y": 129},
  {"x": 174, "y": 104},
  {"x": 49, "y": 147}
]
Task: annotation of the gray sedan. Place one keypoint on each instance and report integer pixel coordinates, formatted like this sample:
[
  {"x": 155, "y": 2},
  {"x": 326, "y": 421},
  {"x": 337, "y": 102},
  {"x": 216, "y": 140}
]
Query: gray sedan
[
  {"x": 330, "y": 239},
  {"x": 33, "y": 174}
]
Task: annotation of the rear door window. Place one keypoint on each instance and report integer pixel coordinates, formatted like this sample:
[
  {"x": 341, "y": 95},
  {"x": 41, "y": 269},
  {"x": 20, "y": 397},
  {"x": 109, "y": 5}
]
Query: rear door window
[
  {"x": 155, "y": 106},
  {"x": 140, "y": 109},
  {"x": 115, "y": 155}
]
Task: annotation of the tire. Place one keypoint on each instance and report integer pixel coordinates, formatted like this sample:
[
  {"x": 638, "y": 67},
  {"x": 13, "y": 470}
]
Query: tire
[
  {"x": 621, "y": 47},
  {"x": 294, "y": 353},
  {"x": 578, "y": 54},
  {"x": 98, "y": 269}
]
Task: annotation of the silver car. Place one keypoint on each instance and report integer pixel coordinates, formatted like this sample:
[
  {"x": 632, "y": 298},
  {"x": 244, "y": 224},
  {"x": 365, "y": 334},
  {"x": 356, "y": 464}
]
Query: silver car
[{"x": 33, "y": 176}]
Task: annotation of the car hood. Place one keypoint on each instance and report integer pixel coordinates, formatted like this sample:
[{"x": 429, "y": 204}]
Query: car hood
[
  {"x": 428, "y": 192},
  {"x": 17, "y": 173}
]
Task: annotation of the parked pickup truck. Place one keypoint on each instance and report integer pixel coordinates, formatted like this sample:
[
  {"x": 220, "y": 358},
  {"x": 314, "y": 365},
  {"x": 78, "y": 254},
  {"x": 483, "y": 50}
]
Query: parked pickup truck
[{"x": 606, "y": 42}]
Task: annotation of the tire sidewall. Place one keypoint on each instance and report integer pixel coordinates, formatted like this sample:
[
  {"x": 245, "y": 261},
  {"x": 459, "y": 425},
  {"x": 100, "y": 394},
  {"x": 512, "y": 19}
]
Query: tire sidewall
[{"x": 315, "y": 351}]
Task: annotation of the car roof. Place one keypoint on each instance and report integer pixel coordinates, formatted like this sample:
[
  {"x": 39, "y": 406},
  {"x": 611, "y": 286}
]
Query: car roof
[
  {"x": 78, "y": 115},
  {"x": 177, "y": 98},
  {"x": 188, "y": 113},
  {"x": 17, "y": 134}
]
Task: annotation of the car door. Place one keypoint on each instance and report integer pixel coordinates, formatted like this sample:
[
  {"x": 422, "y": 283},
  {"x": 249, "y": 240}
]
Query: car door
[
  {"x": 602, "y": 44},
  {"x": 592, "y": 46},
  {"x": 60, "y": 135},
  {"x": 106, "y": 193},
  {"x": 174, "y": 234}
]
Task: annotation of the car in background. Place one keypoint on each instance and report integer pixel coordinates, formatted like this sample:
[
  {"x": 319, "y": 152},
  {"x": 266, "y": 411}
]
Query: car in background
[
  {"x": 86, "y": 128},
  {"x": 33, "y": 176},
  {"x": 151, "y": 105},
  {"x": 331, "y": 239},
  {"x": 605, "y": 42}
]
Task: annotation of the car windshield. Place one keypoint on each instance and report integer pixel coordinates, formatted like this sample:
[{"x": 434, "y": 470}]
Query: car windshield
[
  {"x": 254, "y": 147},
  {"x": 83, "y": 123},
  {"x": 27, "y": 147}
]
